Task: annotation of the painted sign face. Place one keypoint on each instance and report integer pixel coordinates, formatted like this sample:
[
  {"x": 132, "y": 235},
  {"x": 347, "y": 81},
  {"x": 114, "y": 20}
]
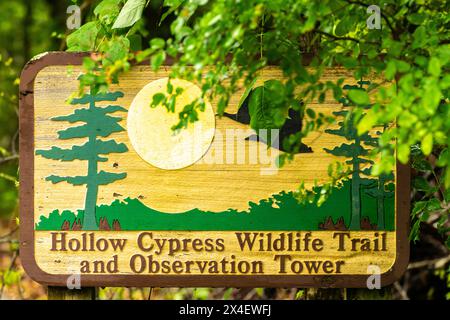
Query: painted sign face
[{"x": 112, "y": 196}]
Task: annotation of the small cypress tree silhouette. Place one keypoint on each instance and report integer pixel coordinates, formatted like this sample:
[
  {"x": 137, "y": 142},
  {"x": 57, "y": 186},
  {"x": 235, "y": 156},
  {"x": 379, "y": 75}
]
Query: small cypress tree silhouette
[
  {"x": 355, "y": 151},
  {"x": 97, "y": 123},
  {"x": 380, "y": 193}
]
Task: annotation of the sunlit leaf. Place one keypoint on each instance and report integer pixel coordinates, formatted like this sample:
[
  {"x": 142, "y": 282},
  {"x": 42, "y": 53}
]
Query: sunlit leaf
[{"x": 130, "y": 14}]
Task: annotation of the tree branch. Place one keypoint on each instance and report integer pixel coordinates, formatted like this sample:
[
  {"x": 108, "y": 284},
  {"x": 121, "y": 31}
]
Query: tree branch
[
  {"x": 9, "y": 158},
  {"x": 435, "y": 263},
  {"x": 336, "y": 37}
]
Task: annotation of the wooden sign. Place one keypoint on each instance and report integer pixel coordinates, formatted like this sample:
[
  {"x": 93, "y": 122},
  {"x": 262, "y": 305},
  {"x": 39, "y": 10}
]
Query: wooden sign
[{"x": 110, "y": 193}]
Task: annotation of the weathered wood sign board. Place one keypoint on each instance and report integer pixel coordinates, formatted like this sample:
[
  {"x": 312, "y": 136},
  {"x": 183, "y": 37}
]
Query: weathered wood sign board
[{"x": 108, "y": 192}]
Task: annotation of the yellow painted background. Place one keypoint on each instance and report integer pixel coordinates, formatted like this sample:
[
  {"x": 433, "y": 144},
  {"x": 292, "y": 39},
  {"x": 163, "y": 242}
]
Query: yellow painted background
[{"x": 203, "y": 186}]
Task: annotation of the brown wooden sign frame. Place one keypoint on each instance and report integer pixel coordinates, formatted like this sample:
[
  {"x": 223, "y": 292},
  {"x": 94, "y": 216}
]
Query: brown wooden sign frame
[{"x": 27, "y": 234}]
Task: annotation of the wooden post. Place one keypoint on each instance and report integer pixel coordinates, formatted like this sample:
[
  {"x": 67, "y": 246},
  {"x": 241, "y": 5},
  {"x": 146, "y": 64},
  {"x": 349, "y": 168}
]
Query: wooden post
[
  {"x": 384, "y": 293},
  {"x": 348, "y": 294},
  {"x": 325, "y": 294},
  {"x": 62, "y": 293}
]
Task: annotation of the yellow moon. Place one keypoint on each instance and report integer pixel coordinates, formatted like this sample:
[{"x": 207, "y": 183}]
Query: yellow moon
[{"x": 150, "y": 133}]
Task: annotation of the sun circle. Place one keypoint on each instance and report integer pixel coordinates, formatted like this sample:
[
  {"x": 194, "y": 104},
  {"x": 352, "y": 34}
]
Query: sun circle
[{"x": 150, "y": 129}]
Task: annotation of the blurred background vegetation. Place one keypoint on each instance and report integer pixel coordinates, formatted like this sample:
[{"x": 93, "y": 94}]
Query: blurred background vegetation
[{"x": 30, "y": 27}]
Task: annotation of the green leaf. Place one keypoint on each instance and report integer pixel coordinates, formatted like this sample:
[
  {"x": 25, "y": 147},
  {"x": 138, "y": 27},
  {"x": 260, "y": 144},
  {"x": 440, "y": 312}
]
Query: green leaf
[
  {"x": 107, "y": 10},
  {"x": 391, "y": 70},
  {"x": 422, "y": 165},
  {"x": 267, "y": 108},
  {"x": 420, "y": 37},
  {"x": 118, "y": 49},
  {"x": 416, "y": 18},
  {"x": 246, "y": 93},
  {"x": 444, "y": 158},
  {"x": 431, "y": 96},
  {"x": 158, "y": 59},
  {"x": 221, "y": 105},
  {"x": 403, "y": 153},
  {"x": 11, "y": 277},
  {"x": 421, "y": 184},
  {"x": 343, "y": 27},
  {"x": 419, "y": 206},
  {"x": 367, "y": 123},
  {"x": 157, "y": 99},
  {"x": 135, "y": 42},
  {"x": 447, "y": 195},
  {"x": 433, "y": 205},
  {"x": 447, "y": 178},
  {"x": 434, "y": 67},
  {"x": 427, "y": 144},
  {"x": 359, "y": 97},
  {"x": 157, "y": 43},
  {"x": 130, "y": 14},
  {"x": 83, "y": 39},
  {"x": 402, "y": 66},
  {"x": 173, "y": 4},
  {"x": 311, "y": 113}
]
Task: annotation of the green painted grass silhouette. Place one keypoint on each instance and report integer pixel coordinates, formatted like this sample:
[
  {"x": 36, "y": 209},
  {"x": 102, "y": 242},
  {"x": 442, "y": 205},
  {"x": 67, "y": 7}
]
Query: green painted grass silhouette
[{"x": 279, "y": 212}]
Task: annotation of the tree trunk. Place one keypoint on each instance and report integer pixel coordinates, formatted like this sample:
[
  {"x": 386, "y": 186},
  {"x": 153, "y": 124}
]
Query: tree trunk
[
  {"x": 380, "y": 209},
  {"x": 90, "y": 219},
  {"x": 355, "y": 223},
  {"x": 380, "y": 202}
]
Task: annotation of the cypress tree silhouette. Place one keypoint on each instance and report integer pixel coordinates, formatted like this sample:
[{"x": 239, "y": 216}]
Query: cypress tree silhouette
[
  {"x": 354, "y": 150},
  {"x": 97, "y": 123}
]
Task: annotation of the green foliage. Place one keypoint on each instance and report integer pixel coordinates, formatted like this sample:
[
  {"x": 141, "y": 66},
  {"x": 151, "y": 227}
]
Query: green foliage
[
  {"x": 9, "y": 136},
  {"x": 11, "y": 277},
  {"x": 201, "y": 293},
  {"x": 300, "y": 294},
  {"x": 431, "y": 198}
]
